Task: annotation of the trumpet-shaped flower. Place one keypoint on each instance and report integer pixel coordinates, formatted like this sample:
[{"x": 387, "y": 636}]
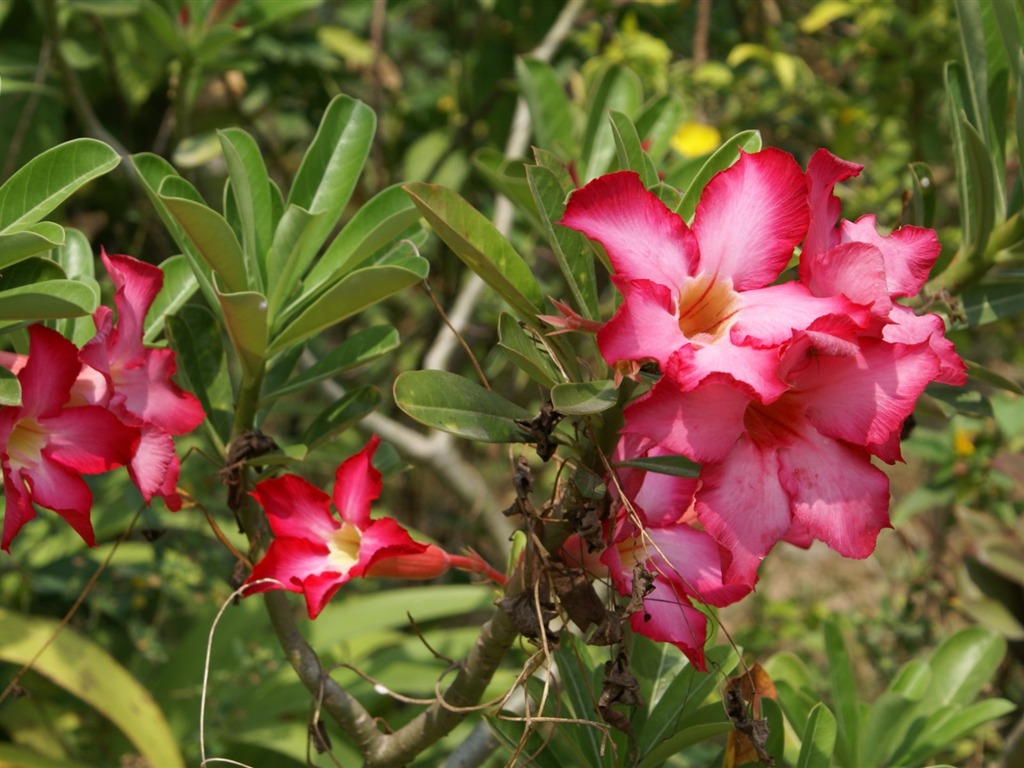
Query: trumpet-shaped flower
[
  {"x": 134, "y": 381},
  {"x": 314, "y": 552},
  {"x": 705, "y": 286},
  {"x": 47, "y": 445},
  {"x": 802, "y": 462}
]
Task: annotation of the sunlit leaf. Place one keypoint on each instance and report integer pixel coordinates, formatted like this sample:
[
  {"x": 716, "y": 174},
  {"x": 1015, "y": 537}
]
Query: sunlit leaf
[
  {"x": 583, "y": 398},
  {"x": 250, "y": 187},
  {"x": 550, "y": 111},
  {"x": 179, "y": 285},
  {"x": 818, "y": 740}
]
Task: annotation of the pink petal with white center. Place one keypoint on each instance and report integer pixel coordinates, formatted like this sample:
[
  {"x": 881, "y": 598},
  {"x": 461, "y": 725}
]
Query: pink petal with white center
[
  {"x": 137, "y": 285},
  {"x": 743, "y": 506},
  {"x": 823, "y": 173},
  {"x": 383, "y": 539},
  {"x": 51, "y": 370},
  {"x": 909, "y": 252},
  {"x": 91, "y": 387},
  {"x": 750, "y": 218},
  {"x": 756, "y": 367},
  {"x": 770, "y": 316},
  {"x": 357, "y": 484},
  {"x": 837, "y": 494},
  {"x": 908, "y": 328},
  {"x": 668, "y": 617},
  {"x": 55, "y": 487},
  {"x": 89, "y": 439},
  {"x": 645, "y": 326},
  {"x": 864, "y": 398},
  {"x": 855, "y": 270},
  {"x": 300, "y": 565},
  {"x": 702, "y": 424},
  {"x": 296, "y": 509},
  {"x": 153, "y": 461},
  {"x": 693, "y": 560},
  {"x": 147, "y": 393},
  {"x": 642, "y": 237},
  {"x": 665, "y": 499}
]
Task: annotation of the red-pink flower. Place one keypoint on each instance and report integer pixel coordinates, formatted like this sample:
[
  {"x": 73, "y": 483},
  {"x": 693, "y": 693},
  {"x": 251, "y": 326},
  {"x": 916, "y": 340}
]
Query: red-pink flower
[
  {"x": 47, "y": 445},
  {"x": 705, "y": 286},
  {"x": 802, "y": 460},
  {"x": 314, "y": 553},
  {"x": 656, "y": 530},
  {"x": 134, "y": 381}
]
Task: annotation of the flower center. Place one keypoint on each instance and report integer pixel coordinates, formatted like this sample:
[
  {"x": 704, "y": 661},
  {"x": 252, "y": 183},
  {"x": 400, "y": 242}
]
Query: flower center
[
  {"x": 26, "y": 442},
  {"x": 773, "y": 424},
  {"x": 706, "y": 306},
  {"x": 343, "y": 545}
]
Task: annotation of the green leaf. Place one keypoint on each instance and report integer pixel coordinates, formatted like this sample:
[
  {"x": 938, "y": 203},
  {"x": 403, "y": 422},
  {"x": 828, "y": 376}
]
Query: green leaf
[
  {"x": 179, "y": 285},
  {"x": 508, "y": 176},
  {"x": 84, "y": 669},
  {"x": 963, "y": 663},
  {"x": 775, "y": 743},
  {"x": 78, "y": 263},
  {"x": 892, "y": 717},
  {"x": 724, "y": 157},
  {"x": 844, "y": 695},
  {"x": 47, "y": 300},
  {"x": 213, "y": 239},
  {"x": 550, "y": 111},
  {"x": 480, "y": 246},
  {"x": 979, "y": 372},
  {"x": 818, "y": 740},
  {"x": 49, "y": 179},
  {"x": 352, "y": 294},
  {"x": 948, "y": 725},
  {"x": 10, "y": 388},
  {"x": 340, "y": 415},
  {"x": 377, "y": 223},
  {"x": 987, "y": 303},
  {"x": 12, "y": 756},
  {"x": 658, "y": 123},
  {"x": 629, "y": 150},
  {"x": 250, "y": 187},
  {"x": 526, "y": 352},
  {"x": 575, "y": 673},
  {"x": 245, "y": 317},
  {"x": 453, "y": 404},
  {"x": 291, "y": 252},
  {"x": 333, "y": 162},
  {"x": 616, "y": 89},
  {"x": 677, "y": 466},
  {"x": 924, "y": 194},
  {"x": 359, "y": 348},
  {"x": 195, "y": 335},
  {"x": 20, "y": 243},
  {"x": 584, "y": 398}
]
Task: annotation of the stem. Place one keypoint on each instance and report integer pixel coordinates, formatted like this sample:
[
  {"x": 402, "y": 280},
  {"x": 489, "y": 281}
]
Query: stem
[{"x": 967, "y": 268}]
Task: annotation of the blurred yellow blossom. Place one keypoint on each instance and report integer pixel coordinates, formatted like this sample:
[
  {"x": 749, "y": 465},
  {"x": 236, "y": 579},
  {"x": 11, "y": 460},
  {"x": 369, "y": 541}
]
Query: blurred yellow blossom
[{"x": 695, "y": 139}]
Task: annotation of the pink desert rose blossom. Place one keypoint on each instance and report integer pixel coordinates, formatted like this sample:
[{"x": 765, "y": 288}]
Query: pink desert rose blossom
[
  {"x": 47, "y": 445},
  {"x": 134, "y": 381},
  {"x": 801, "y": 463},
  {"x": 314, "y": 553},
  {"x": 656, "y": 529},
  {"x": 707, "y": 285}
]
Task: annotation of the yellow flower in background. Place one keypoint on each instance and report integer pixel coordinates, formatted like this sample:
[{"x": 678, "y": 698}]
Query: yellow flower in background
[
  {"x": 695, "y": 139},
  {"x": 963, "y": 445}
]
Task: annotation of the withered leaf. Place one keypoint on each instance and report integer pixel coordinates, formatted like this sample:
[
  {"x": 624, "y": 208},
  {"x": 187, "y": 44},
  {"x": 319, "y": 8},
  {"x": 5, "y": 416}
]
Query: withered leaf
[
  {"x": 609, "y": 631},
  {"x": 742, "y": 696},
  {"x": 521, "y": 610},
  {"x": 619, "y": 687},
  {"x": 577, "y": 596},
  {"x": 539, "y": 429},
  {"x": 643, "y": 585}
]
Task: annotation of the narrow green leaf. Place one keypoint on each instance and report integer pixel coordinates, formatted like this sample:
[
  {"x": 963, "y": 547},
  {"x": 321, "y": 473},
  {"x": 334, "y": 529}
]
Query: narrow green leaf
[
  {"x": 775, "y": 743},
  {"x": 480, "y": 246},
  {"x": 179, "y": 285},
  {"x": 575, "y": 671},
  {"x": 982, "y": 180},
  {"x": 980, "y": 373},
  {"x": 948, "y": 725},
  {"x": 844, "y": 695},
  {"x": 10, "y": 388},
  {"x": 453, "y": 404},
  {"x": 12, "y": 756},
  {"x": 17, "y": 244},
  {"x": 658, "y": 123},
  {"x": 195, "y": 335},
  {"x": 359, "y": 348},
  {"x": 525, "y": 352},
  {"x": 818, "y": 740},
  {"x": 291, "y": 252},
  {"x": 677, "y": 466},
  {"x": 332, "y": 164},
  {"x": 924, "y": 194},
  {"x": 912, "y": 680},
  {"x": 963, "y": 663},
  {"x": 724, "y": 157},
  {"x": 378, "y": 223},
  {"x": 616, "y": 88},
  {"x": 245, "y": 316},
  {"x": 84, "y": 669},
  {"x": 47, "y": 180},
  {"x": 47, "y": 300},
  {"x": 683, "y": 738},
  {"x": 340, "y": 415},
  {"x": 584, "y": 398},
  {"x": 629, "y": 151},
  {"x": 352, "y": 294},
  {"x": 892, "y": 717},
  {"x": 250, "y": 187},
  {"x": 508, "y": 176},
  {"x": 550, "y": 111},
  {"x": 213, "y": 240}
]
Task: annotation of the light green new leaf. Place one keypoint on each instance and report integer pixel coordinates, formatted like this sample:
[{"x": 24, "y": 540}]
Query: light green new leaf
[
  {"x": 550, "y": 111},
  {"x": 48, "y": 300},
  {"x": 212, "y": 237},
  {"x": 480, "y": 246},
  {"x": 20, "y": 243},
  {"x": 584, "y": 398},
  {"x": 245, "y": 316},
  {"x": 352, "y": 294},
  {"x": 677, "y": 466},
  {"x": 963, "y": 663},
  {"x": 359, "y": 348},
  {"x": 333, "y": 162},
  {"x": 12, "y": 756},
  {"x": 10, "y": 388},
  {"x": 724, "y": 157},
  {"x": 179, "y": 285},
  {"x": 340, "y": 415},
  {"x": 629, "y": 150},
  {"x": 448, "y": 402},
  {"x": 292, "y": 250},
  {"x": 525, "y": 352},
  {"x": 844, "y": 694},
  {"x": 818, "y": 740},
  {"x": 85, "y": 670},
  {"x": 250, "y": 187},
  {"x": 47, "y": 180},
  {"x": 381, "y": 220}
]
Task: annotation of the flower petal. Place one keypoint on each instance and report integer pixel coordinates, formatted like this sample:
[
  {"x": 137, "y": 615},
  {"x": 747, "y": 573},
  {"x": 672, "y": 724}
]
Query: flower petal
[
  {"x": 907, "y": 328},
  {"x": 147, "y": 392},
  {"x": 642, "y": 237},
  {"x": 52, "y": 367},
  {"x": 56, "y": 487},
  {"x": 770, "y": 316},
  {"x": 909, "y": 252},
  {"x": 155, "y": 467},
  {"x": 137, "y": 285},
  {"x": 668, "y": 617},
  {"x": 645, "y": 327},
  {"x": 296, "y": 509},
  {"x": 693, "y": 561},
  {"x": 299, "y": 565},
  {"x": 357, "y": 484},
  {"x": 823, "y": 173},
  {"x": 18, "y": 508},
  {"x": 750, "y": 218},
  {"x": 855, "y": 270},
  {"x": 89, "y": 439}
]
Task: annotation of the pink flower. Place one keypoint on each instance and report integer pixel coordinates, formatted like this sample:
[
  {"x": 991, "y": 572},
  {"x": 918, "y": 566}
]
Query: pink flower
[
  {"x": 802, "y": 462},
  {"x": 314, "y": 553},
  {"x": 134, "y": 381},
  {"x": 660, "y": 535},
  {"x": 705, "y": 286},
  {"x": 46, "y": 446}
]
